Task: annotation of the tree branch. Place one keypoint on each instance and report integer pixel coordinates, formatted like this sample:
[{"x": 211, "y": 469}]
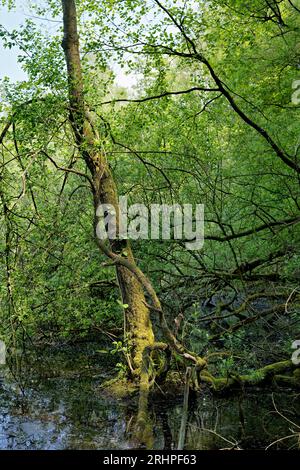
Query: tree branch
[
  {"x": 67, "y": 170},
  {"x": 162, "y": 95}
]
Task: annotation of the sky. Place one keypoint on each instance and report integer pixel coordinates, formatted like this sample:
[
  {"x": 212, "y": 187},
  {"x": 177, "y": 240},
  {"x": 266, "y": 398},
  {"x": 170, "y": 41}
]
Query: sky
[
  {"x": 9, "y": 66},
  {"x": 8, "y": 57}
]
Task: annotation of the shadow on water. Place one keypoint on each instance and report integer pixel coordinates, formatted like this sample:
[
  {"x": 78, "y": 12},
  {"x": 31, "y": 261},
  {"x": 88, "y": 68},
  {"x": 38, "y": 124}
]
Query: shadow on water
[{"x": 57, "y": 403}]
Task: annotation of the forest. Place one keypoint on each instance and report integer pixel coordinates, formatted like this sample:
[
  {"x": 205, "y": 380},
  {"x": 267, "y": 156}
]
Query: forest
[{"x": 179, "y": 336}]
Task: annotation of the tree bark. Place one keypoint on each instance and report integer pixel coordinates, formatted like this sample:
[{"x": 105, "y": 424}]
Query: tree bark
[{"x": 138, "y": 327}]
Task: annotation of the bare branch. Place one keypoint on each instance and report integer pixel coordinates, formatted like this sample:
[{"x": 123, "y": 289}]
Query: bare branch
[
  {"x": 68, "y": 170},
  {"x": 162, "y": 95}
]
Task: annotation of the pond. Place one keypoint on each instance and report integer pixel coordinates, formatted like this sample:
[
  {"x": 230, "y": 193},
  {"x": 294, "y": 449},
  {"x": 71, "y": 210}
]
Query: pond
[{"x": 55, "y": 401}]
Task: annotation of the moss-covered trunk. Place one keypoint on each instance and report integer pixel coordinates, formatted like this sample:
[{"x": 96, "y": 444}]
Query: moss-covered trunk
[{"x": 138, "y": 326}]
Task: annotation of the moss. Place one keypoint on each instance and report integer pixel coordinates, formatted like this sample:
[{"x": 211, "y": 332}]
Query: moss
[
  {"x": 174, "y": 382},
  {"x": 120, "y": 387},
  {"x": 296, "y": 373},
  {"x": 138, "y": 324},
  {"x": 268, "y": 374},
  {"x": 287, "y": 381}
]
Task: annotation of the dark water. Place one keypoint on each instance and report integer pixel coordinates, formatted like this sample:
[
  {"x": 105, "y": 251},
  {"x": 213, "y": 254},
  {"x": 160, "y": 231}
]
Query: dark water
[{"x": 55, "y": 402}]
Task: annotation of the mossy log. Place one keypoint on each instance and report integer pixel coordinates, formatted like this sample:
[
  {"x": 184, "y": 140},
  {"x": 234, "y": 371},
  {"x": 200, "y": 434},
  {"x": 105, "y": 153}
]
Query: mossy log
[{"x": 272, "y": 373}]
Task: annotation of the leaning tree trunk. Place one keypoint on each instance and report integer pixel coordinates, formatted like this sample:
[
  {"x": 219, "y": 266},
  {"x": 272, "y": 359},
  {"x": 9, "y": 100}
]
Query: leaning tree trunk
[{"x": 138, "y": 326}]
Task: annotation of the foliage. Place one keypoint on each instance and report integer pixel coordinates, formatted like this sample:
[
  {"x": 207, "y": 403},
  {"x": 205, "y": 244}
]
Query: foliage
[{"x": 191, "y": 147}]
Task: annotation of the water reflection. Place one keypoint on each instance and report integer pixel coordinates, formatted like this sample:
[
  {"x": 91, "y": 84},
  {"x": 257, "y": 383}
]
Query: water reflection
[{"x": 58, "y": 404}]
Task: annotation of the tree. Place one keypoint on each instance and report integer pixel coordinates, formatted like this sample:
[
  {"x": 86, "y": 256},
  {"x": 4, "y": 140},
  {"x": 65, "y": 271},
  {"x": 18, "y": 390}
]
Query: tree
[
  {"x": 138, "y": 324},
  {"x": 206, "y": 126}
]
